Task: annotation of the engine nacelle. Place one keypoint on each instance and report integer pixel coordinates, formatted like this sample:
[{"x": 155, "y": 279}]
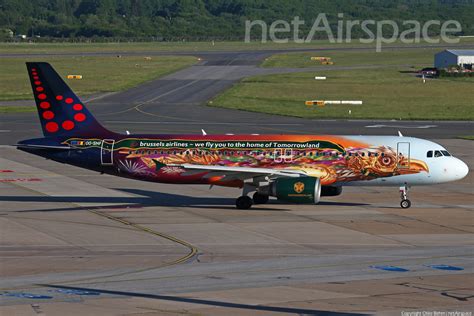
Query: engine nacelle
[
  {"x": 330, "y": 191},
  {"x": 295, "y": 190}
]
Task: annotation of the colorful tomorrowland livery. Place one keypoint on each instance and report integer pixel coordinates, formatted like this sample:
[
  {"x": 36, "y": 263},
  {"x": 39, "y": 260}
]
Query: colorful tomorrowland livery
[{"x": 293, "y": 168}]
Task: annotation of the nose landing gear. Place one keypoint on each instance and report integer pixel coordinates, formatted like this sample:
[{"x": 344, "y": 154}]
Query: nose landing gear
[{"x": 405, "y": 203}]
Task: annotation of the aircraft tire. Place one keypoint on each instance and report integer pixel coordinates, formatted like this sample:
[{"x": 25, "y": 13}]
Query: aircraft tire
[
  {"x": 405, "y": 204},
  {"x": 243, "y": 203}
]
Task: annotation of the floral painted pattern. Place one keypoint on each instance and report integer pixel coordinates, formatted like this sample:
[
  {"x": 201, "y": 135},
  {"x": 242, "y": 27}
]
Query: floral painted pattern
[{"x": 355, "y": 164}]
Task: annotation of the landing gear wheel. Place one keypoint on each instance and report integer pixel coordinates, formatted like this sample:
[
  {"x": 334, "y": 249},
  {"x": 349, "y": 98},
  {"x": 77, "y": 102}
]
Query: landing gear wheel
[
  {"x": 260, "y": 198},
  {"x": 243, "y": 203},
  {"x": 405, "y": 203}
]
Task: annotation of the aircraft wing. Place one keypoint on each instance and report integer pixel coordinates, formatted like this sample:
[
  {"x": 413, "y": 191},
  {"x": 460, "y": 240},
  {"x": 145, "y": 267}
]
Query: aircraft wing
[{"x": 241, "y": 173}]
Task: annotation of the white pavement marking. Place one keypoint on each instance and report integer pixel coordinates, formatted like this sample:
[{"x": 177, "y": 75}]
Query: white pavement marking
[
  {"x": 205, "y": 123},
  {"x": 401, "y": 126},
  {"x": 98, "y": 97}
]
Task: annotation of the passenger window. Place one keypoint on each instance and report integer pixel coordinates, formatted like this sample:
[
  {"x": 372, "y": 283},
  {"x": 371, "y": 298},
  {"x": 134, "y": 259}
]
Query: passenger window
[
  {"x": 429, "y": 154},
  {"x": 437, "y": 153},
  {"x": 446, "y": 153}
]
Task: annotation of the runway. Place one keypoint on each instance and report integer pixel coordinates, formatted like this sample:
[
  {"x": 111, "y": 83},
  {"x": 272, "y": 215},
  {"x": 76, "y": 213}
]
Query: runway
[{"x": 79, "y": 243}]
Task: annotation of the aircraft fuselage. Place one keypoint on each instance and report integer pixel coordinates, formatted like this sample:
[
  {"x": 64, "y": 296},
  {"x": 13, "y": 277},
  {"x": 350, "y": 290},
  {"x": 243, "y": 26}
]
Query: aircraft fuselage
[{"x": 335, "y": 160}]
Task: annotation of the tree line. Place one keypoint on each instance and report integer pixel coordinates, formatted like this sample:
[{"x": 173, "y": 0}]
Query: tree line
[{"x": 205, "y": 19}]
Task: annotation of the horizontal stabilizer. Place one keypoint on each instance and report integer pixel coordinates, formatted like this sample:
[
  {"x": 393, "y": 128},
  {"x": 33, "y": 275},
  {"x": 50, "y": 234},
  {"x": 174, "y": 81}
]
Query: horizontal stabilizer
[{"x": 44, "y": 147}]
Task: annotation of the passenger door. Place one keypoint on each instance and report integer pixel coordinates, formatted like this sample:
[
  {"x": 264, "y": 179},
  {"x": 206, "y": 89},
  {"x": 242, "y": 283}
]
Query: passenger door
[
  {"x": 107, "y": 152},
  {"x": 283, "y": 155},
  {"x": 288, "y": 155},
  {"x": 403, "y": 150},
  {"x": 278, "y": 155}
]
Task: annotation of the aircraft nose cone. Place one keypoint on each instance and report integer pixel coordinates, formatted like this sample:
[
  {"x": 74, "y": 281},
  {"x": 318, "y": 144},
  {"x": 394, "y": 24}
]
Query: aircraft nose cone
[{"x": 461, "y": 169}]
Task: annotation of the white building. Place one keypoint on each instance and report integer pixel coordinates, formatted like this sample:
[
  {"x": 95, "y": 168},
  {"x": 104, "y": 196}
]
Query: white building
[{"x": 450, "y": 57}]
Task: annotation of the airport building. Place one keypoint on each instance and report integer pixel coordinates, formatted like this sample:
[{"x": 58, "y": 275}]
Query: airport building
[{"x": 451, "y": 57}]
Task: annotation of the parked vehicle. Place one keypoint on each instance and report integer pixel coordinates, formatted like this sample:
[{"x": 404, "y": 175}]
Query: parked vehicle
[{"x": 429, "y": 72}]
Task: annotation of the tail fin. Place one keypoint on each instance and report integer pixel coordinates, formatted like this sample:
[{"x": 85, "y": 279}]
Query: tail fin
[{"x": 60, "y": 111}]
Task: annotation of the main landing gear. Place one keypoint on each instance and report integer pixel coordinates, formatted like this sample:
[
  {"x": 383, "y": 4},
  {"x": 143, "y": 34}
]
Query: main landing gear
[
  {"x": 405, "y": 203},
  {"x": 245, "y": 202},
  {"x": 259, "y": 198}
]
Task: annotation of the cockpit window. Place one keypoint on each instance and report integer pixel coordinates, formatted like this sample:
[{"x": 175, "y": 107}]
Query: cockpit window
[
  {"x": 437, "y": 153},
  {"x": 446, "y": 153},
  {"x": 429, "y": 154}
]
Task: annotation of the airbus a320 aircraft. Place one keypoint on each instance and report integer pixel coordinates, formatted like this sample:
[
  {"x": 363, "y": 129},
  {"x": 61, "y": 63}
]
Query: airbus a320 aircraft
[{"x": 292, "y": 168}]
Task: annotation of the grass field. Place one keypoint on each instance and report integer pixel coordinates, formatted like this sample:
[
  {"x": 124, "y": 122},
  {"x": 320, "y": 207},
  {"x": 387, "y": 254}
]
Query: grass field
[
  {"x": 408, "y": 57},
  {"x": 391, "y": 91},
  {"x": 45, "y": 48},
  {"x": 100, "y": 74},
  {"x": 387, "y": 93},
  {"x": 17, "y": 109},
  {"x": 39, "y": 48}
]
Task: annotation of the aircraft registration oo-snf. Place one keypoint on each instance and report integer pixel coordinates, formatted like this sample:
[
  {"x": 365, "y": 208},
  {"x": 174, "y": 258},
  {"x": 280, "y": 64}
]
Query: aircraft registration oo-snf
[{"x": 292, "y": 168}]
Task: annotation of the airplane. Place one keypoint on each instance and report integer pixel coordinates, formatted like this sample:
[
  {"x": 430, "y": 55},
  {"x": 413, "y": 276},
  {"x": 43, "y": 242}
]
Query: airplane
[{"x": 292, "y": 168}]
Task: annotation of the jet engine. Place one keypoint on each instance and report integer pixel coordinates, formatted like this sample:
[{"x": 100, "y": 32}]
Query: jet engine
[{"x": 294, "y": 190}]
